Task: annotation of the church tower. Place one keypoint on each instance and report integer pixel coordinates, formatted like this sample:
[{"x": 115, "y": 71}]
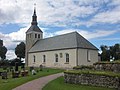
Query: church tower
[{"x": 33, "y": 34}]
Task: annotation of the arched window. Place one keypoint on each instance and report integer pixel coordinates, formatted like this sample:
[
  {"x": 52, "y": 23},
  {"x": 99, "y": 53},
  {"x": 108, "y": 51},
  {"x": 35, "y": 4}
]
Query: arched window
[
  {"x": 67, "y": 57},
  {"x": 56, "y": 57},
  {"x": 34, "y": 58},
  {"x": 88, "y": 55},
  {"x": 38, "y": 35},
  {"x": 44, "y": 58}
]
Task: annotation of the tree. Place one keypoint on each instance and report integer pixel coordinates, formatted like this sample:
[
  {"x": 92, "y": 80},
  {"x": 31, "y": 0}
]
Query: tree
[
  {"x": 13, "y": 61},
  {"x": 116, "y": 51},
  {"x": 20, "y": 50},
  {"x": 105, "y": 55},
  {"x": 110, "y": 52},
  {"x": 3, "y": 50}
]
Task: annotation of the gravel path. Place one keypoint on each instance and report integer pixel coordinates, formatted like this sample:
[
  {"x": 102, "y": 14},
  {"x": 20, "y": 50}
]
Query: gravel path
[{"x": 39, "y": 83}]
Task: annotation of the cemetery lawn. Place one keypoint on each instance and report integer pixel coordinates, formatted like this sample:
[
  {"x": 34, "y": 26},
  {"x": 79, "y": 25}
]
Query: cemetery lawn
[
  {"x": 59, "y": 84},
  {"x": 11, "y": 83}
]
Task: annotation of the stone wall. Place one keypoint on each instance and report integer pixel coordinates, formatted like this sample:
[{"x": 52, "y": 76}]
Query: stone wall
[
  {"x": 114, "y": 67},
  {"x": 94, "y": 80}
]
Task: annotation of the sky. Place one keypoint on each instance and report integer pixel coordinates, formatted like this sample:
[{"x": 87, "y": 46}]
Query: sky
[{"x": 96, "y": 20}]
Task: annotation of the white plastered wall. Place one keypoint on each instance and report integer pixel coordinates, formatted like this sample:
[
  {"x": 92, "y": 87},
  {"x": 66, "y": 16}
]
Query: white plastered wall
[
  {"x": 83, "y": 57},
  {"x": 50, "y": 58}
]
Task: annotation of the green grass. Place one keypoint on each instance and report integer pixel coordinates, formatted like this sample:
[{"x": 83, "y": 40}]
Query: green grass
[
  {"x": 58, "y": 84},
  {"x": 11, "y": 83}
]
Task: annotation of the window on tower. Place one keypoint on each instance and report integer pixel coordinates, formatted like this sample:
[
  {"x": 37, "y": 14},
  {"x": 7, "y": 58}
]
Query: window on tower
[{"x": 35, "y": 35}]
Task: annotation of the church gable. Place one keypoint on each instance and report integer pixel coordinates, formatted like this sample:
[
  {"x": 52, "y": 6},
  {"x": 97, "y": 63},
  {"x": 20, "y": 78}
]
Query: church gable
[{"x": 84, "y": 43}]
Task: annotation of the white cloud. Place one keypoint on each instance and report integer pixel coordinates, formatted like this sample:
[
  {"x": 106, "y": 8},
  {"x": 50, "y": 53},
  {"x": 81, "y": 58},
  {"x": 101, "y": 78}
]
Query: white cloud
[
  {"x": 48, "y": 11},
  {"x": 10, "y": 54},
  {"x": 110, "y": 39},
  {"x": 2, "y": 35},
  {"x": 97, "y": 33},
  {"x": 59, "y": 12},
  {"x": 84, "y": 33},
  {"x": 12, "y": 39},
  {"x": 19, "y": 35},
  {"x": 115, "y": 2},
  {"x": 64, "y": 31},
  {"x": 112, "y": 16}
]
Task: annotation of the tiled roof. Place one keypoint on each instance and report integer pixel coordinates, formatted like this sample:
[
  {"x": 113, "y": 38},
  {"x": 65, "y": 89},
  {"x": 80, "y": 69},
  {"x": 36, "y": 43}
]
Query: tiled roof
[
  {"x": 65, "y": 41},
  {"x": 34, "y": 28}
]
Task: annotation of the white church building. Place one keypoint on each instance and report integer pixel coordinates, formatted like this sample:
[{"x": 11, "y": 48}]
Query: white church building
[{"x": 63, "y": 51}]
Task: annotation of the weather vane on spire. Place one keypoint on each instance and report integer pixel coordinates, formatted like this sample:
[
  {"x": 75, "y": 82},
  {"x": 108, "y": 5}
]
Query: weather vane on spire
[
  {"x": 34, "y": 5},
  {"x": 34, "y": 8}
]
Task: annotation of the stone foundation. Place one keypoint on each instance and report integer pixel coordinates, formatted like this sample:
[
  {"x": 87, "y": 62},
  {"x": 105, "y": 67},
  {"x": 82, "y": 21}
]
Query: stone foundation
[{"x": 94, "y": 80}]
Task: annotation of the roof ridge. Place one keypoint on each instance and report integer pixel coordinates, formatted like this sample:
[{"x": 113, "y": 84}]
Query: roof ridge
[{"x": 59, "y": 35}]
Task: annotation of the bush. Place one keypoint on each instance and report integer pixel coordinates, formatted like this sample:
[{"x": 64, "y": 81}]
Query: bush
[
  {"x": 108, "y": 62},
  {"x": 83, "y": 67}
]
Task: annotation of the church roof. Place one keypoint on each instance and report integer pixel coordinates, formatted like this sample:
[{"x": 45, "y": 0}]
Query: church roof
[
  {"x": 34, "y": 28},
  {"x": 65, "y": 41}
]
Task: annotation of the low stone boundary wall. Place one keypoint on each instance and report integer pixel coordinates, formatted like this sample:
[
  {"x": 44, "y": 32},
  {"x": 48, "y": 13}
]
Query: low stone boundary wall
[
  {"x": 114, "y": 67},
  {"x": 94, "y": 80}
]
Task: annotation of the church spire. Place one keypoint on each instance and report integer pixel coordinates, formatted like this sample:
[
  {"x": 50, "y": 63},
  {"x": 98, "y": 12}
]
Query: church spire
[{"x": 34, "y": 17}]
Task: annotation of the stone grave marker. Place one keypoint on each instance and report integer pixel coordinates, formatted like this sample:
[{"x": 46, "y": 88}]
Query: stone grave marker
[{"x": 4, "y": 75}]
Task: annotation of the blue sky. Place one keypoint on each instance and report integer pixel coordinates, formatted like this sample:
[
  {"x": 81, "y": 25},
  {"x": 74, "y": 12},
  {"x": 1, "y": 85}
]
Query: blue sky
[{"x": 96, "y": 20}]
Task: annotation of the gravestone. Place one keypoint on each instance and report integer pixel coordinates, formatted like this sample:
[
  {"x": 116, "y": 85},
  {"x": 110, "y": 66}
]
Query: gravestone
[
  {"x": 5, "y": 67},
  {"x": 11, "y": 68},
  {"x": 31, "y": 68},
  {"x": 16, "y": 66},
  {"x": 41, "y": 67},
  {"x": 24, "y": 73},
  {"x": 33, "y": 72},
  {"x": 23, "y": 66},
  {"x": 4, "y": 75},
  {"x": 15, "y": 74},
  {"x": 0, "y": 73}
]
